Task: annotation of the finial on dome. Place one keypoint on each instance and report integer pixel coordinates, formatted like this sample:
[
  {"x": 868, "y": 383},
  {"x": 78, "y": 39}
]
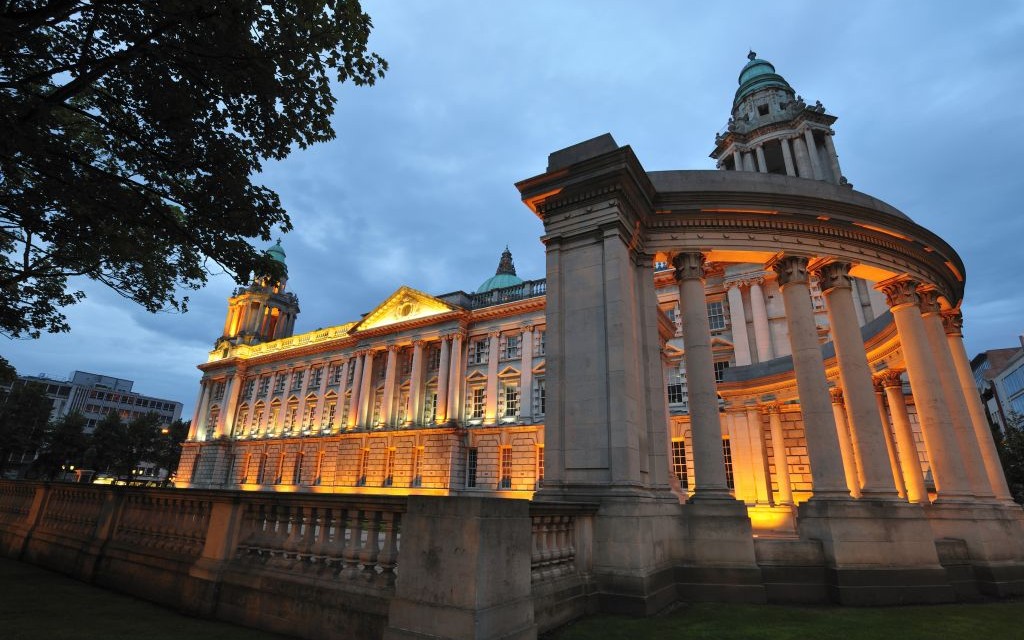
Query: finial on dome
[
  {"x": 751, "y": 54},
  {"x": 505, "y": 265}
]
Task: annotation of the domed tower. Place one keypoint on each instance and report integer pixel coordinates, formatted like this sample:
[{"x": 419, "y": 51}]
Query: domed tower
[
  {"x": 504, "y": 276},
  {"x": 263, "y": 311},
  {"x": 772, "y": 130}
]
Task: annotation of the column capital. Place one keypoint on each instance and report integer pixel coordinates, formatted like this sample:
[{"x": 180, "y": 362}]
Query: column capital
[
  {"x": 392, "y": 348},
  {"x": 528, "y": 328},
  {"x": 770, "y": 407},
  {"x": 832, "y": 275},
  {"x": 836, "y": 394},
  {"x": 418, "y": 343},
  {"x": 900, "y": 293},
  {"x": 953, "y": 322},
  {"x": 689, "y": 265},
  {"x": 890, "y": 378},
  {"x": 929, "y": 301},
  {"x": 494, "y": 334},
  {"x": 789, "y": 269}
]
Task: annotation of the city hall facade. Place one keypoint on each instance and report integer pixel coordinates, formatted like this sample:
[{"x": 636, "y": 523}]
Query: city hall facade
[{"x": 716, "y": 358}]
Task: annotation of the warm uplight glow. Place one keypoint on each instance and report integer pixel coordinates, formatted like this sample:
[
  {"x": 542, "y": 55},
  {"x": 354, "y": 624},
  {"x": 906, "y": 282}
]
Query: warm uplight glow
[
  {"x": 402, "y": 306},
  {"x": 764, "y": 212},
  {"x": 882, "y": 230},
  {"x": 956, "y": 272},
  {"x": 770, "y": 519},
  {"x": 532, "y": 202},
  {"x": 727, "y": 255},
  {"x": 871, "y": 273}
]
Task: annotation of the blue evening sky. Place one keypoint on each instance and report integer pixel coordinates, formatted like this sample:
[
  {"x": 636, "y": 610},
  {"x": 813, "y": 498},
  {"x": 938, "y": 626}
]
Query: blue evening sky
[{"x": 417, "y": 189}]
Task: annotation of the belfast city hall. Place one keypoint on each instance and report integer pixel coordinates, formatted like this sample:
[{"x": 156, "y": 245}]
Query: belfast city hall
[{"x": 753, "y": 376}]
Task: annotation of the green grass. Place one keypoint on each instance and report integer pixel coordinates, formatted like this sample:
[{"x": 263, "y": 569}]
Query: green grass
[
  {"x": 986, "y": 621},
  {"x": 36, "y": 603}
]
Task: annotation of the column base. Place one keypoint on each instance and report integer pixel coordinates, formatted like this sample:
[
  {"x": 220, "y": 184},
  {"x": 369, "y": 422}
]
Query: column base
[{"x": 718, "y": 561}]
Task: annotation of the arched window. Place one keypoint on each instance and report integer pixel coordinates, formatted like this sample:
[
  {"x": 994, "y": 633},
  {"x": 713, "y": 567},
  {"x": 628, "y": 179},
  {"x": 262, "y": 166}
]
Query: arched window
[
  {"x": 291, "y": 416},
  {"x": 238, "y": 428},
  {"x": 272, "y": 419},
  {"x": 309, "y": 413},
  {"x": 257, "y": 418}
]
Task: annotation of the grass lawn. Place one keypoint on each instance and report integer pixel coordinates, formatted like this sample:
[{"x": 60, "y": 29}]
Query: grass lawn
[
  {"x": 985, "y": 621},
  {"x": 36, "y": 603}
]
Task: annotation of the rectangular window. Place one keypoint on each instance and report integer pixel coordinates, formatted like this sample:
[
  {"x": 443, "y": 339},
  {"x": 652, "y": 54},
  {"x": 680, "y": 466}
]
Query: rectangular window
[
  {"x": 675, "y": 393},
  {"x": 433, "y": 358},
  {"x": 403, "y": 406},
  {"x": 716, "y": 316},
  {"x": 478, "y": 351},
  {"x": 539, "y": 397},
  {"x": 279, "y": 382},
  {"x": 720, "y": 368},
  {"x": 297, "y": 379},
  {"x": 364, "y": 462},
  {"x": 389, "y": 469},
  {"x": 351, "y": 374},
  {"x": 540, "y": 342},
  {"x": 477, "y": 401},
  {"x": 506, "y": 468},
  {"x": 247, "y": 389},
  {"x": 416, "y": 467},
  {"x": 471, "y": 468},
  {"x": 297, "y": 468},
  {"x": 309, "y": 414},
  {"x": 679, "y": 462},
  {"x": 327, "y": 421},
  {"x": 334, "y": 375},
  {"x": 540, "y": 465},
  {"x": 1014, "y": 381},
  {"x": 727, "y": 457},
  {"x": 510, "y": 400},
  {"x": 405, "y": 363},
  {"x": 430, "y": 406},
  {"x": 513, "y": 348},
  {"x": 318, "y": 475},
  {"x": 315, "y": 377},
  {"x": 378, "y": 403}
]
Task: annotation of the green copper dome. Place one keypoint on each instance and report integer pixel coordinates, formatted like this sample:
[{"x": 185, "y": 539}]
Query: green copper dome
[
  {"x": 758, "y": 74},
  {"x": 505, "y": 276},
  {"x": 277, "y": 253}
]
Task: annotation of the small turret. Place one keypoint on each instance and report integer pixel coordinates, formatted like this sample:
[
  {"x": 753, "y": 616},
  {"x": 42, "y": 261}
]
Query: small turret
[
  {"x": 263, "y": 311},
  {"x": 772, "y": 130}
]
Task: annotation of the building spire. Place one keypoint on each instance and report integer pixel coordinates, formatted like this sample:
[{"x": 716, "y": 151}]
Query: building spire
[{"x": 505, "y": 265}]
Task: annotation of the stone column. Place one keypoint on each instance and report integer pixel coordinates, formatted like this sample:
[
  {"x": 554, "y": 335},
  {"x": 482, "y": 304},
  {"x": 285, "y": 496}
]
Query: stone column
[
  {"x": 366, "y": 391},
  {"x": 357, "y": 388},
  {"x": 491, "y": 405},
  {"x": 858, "y": 308},
  {"x": 956, "y": 404},
  {"x": 737, "y": 160},
  {"x": 738, "y": 320},
  {"x": 762, "y": 332},
  {"x": 779, "y": 457},
  {"x": 762, "y": 166},
  {"x": 303, "y": 392},
  {"x": 526, "y": 375},
  {"x": 230, "y": 405},
  {"x": 705, "y": 423},
  {"x": 787, "y": 157},
  {"x": 200, "y": 411},
  {"x": 442, "y": 380},
  {"x": 906, "y": 447},
  {"x": 803, "y": 162},
  {"x": 415, "y": 384},
  {"x": 758, "y": 461},
  {"x": 387, "y": 408},
  {"x": 936, "y": 426},
  {"x": 819, "y": 423},
  {"x": 850, "y": 466},
  {"x": 458, "y": 360},
  {"x": 833, "y": 158},
  {"x": 894, "y": 463},
  {"x": 748, "y": 161},
  {"x": 812, "y": 152},
  {"x": 952, "y": 322},
  {"x": 858, "y": 389},
  {"x": 344, "y": 366}
]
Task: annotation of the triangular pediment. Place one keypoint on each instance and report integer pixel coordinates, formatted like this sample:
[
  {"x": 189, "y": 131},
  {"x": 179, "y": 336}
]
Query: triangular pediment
[{"x": 402, "y": 306}]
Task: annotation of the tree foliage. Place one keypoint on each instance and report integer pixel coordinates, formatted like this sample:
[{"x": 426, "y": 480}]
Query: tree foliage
[
  {"x": 130, "y": 133},
  {"x": 23, "y": 418},
  {"x": 167, "y": 449},
  {"x": 1010, "y": 444},
  {"x": 65, "y": 444}
]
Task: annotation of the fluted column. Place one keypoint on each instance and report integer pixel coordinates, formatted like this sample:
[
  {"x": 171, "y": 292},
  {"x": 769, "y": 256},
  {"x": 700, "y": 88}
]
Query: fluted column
[
  {"x": 387, "y": 408},
  {"x": 227, "y": 412},
  {"x": 200, "y": 411},
  {"x": 705, "y": 422},
  {"x": 858, "y": 389},
  {"x": 956, "y": 404},
  {"x": 759, "y": 314},
  {"x": 762, "y": 166},
  {"x": 738, "y": 320},
  {"x": 906, "y": 446},
  {"x": 748, "y": 162},
  {"x": 526, "y": 375},
  {"x": 850, "y": 466},
  {"x": 491, "y": 403},
  {"x": 443, "y": 373},
  {"x": 787, "y": 157},
  {"x": 952, "y": 322},
  {"x": 890, "y": 445},
  {"x": 415, "y": 384},
  {"x": 803, "y": 162},
  {"x": 458, "y": 361},
  {"x": 779, "y": 457},
  {"x": 812, "y": 152},
  {"x": 936, "y": 426},
  {"x": 357, "y": 388},
  {"x": 819, "y": 423}
]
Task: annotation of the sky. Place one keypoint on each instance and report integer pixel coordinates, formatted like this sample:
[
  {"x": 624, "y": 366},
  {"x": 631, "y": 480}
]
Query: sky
[{"x": 418, "y": 188}]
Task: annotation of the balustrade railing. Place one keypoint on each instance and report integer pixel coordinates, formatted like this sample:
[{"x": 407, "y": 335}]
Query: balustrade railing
[
  {"x": 73, "y": 510},
  {"x": 561, "y": 540},
  {"x": 349, "y": 541},
  {"x": 15, "y": 502},
  {"x": 165, "y": 522}
]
